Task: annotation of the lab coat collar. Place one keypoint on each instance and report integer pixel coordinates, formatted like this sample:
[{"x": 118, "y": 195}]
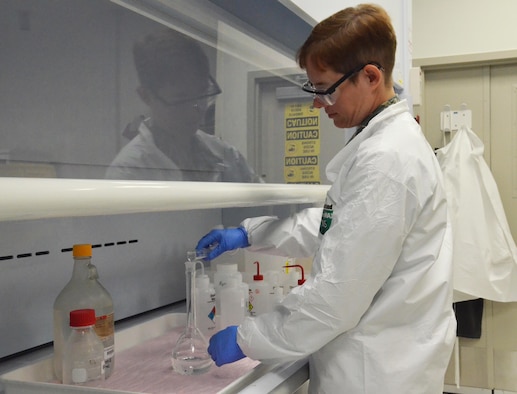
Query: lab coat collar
[{"x": 344, "y": 157}]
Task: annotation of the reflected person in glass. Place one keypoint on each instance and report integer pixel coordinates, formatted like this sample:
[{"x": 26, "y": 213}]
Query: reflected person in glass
[{"x": 169, "y": 145}]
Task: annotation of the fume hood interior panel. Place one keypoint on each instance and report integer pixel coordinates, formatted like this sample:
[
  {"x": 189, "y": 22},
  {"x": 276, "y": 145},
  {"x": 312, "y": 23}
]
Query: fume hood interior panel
[{"x": 139, "y": 258}]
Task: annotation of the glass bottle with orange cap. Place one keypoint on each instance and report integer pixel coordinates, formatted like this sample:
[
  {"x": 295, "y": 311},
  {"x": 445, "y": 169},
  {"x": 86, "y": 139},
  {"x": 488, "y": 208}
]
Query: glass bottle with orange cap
[{"x": 84, "y": 291}]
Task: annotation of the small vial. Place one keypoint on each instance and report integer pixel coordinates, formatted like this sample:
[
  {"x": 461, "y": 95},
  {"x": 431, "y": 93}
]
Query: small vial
[{"x": 83, "y": 356}]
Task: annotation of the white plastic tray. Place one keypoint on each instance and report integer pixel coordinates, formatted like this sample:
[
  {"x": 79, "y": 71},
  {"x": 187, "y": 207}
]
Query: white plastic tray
[{"x": 142, "y": 340}]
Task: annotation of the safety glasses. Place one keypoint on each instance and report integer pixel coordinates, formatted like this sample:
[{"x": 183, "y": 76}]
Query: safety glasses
[
  {"x": 200, "y": 100},
  {"x": 326, "y": 96}
]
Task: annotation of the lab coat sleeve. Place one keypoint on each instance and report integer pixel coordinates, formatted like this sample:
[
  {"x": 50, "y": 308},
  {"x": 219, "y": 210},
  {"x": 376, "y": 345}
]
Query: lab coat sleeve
[
  {"x": 295, "y": 236},
  {"x": 237, "y": 169},
  {"x": 356, "y": 256}
]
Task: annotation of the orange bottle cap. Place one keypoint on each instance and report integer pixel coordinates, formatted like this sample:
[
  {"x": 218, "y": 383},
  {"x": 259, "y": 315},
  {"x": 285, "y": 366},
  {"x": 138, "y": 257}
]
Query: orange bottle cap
[{"x": 82, "y": 250}]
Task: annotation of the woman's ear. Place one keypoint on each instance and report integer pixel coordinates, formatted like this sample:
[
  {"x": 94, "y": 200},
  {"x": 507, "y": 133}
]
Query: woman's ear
[{"x": 373, "y": 73}]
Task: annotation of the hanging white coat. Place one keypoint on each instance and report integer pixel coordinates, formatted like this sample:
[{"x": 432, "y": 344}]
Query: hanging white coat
[
  {"x": 375, "y": 315},
  {"x": 485, "y": 255}
]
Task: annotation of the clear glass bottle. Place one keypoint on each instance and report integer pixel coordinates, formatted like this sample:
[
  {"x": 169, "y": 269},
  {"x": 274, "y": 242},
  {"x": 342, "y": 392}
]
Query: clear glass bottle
[
  {"x": 190, "y": 355},
  {"x": 84, "y": 291},
  {"x": 83, "y": 352}
]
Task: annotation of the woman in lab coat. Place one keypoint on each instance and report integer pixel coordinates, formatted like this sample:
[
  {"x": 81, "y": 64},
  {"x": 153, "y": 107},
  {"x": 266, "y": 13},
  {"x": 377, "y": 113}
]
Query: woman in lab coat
[{"x": 375, "y": 315}]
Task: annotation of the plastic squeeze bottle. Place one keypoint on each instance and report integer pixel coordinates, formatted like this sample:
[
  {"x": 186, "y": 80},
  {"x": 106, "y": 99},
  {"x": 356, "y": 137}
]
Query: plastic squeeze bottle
[
  {"x": 83, "y": 353},
  {"x": 222, "y": 275},
  {"x": 205, "y": 306},
  {"x": 84, "y": 291},
  {"x": 260, "y": 297},
  {"x": 233, "y": 303}
]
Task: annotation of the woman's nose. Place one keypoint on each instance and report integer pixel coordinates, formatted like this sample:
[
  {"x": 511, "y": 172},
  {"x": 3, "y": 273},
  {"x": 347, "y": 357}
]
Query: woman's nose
[{"x": 316, "y": 103}]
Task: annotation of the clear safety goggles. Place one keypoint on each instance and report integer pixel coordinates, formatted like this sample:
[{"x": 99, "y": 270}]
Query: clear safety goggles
[
  {"x": 199, "y": 101},
  {"x": 325, "y": 96}
]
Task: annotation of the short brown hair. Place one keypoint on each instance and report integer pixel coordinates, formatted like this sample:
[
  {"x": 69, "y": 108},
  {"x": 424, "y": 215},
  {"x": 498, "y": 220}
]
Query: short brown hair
[
  {"x": 350, "y": 38},
  {"x": 167, "y": 55}
]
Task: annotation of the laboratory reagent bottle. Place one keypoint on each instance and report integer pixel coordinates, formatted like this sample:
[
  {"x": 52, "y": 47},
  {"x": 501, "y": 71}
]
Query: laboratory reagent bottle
[
  {"x": 260, "y": 294},
  {"x": 205, "y": 305},
  {"x": 294, "y": 278},
  {"x": 84, "y": 291},
  {"x": 233, "y": 304},
  {"x": 223, "y": 272},
  {"x": 83, "y": 352},
  {"x": 277, "y": 294}
]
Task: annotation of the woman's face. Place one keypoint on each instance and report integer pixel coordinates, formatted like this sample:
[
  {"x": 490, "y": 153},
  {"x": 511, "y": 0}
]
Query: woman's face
[
  {"x": 352, "y": 98},
  {"x": 176, "y": 106}
]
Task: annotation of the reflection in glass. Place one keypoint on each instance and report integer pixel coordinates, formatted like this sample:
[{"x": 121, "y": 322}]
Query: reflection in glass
[
  {"x": 176, "y": 86},
  {"x": 198, "y": 105}
]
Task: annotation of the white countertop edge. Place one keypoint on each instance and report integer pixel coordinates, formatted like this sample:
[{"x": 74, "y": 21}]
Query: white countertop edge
[{"x": 282, "y": 378}]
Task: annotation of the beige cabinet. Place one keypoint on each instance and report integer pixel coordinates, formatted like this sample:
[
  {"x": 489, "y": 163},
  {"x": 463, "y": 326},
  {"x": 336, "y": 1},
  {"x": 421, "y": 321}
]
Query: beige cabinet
[
  {"x": 490, "y": 91},
  {"x": 491, "y": 361},
  {"x": 504, "y": 345}
]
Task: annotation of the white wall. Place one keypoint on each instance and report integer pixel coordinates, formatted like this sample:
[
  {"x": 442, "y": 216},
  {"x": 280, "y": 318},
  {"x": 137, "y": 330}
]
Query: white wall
[
  {"x": 399, "y": 11},
  {"x": 445, "y": 31}
]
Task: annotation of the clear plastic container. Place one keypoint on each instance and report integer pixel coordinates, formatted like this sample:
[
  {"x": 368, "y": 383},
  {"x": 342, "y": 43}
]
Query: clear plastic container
[
  {"x": 223, "y": 273},
  {"x": 205, "y": 305},
  {"x": 84, "y": 291},
  {"x": 260, "y": 294},
  {"x": 83, "y": 352},
  {"x": 233, "y": 303}
]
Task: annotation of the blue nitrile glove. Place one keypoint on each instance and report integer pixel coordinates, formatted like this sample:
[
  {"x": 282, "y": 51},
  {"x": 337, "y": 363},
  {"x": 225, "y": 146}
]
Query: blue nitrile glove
[
  {"x": 223, "y": 346},
  {"x": 223, "y": 240}
]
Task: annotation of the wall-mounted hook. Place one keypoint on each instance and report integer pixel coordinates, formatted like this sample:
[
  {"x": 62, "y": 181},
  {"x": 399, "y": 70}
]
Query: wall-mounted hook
[
  {"x": 452, "y": 120},
  {"x": 445, "y": 118}
]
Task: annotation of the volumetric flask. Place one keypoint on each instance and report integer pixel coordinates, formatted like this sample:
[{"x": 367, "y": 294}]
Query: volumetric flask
[{"x": 190, "y": 355}]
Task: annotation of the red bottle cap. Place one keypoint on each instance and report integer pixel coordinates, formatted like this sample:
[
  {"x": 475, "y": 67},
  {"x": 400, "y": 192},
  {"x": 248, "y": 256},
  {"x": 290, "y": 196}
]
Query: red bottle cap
[
  {"x": 82, "y": 318},
  {"x": 258, "y": 276}
]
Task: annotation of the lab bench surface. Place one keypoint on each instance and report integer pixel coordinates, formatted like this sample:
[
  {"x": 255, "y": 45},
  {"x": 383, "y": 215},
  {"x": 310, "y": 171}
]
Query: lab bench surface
[{"x": 143, "y": 366}]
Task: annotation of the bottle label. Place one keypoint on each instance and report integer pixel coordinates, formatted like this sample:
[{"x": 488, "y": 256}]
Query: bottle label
[
  {"x": 105, "y": 325},
  {"x": 105, "y": 329},
  {"x": 109, "y": 352}
]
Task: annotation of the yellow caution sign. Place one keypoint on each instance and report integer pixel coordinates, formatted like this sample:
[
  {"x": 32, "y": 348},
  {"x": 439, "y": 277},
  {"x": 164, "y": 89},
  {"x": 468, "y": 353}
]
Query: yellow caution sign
[{"x": 302, "y": 143}]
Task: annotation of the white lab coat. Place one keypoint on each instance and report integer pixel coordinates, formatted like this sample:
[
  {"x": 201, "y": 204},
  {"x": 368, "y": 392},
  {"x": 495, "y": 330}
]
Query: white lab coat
[
  {"x": 375, "y": 315},
  {"x": 217, "y": 161}
]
